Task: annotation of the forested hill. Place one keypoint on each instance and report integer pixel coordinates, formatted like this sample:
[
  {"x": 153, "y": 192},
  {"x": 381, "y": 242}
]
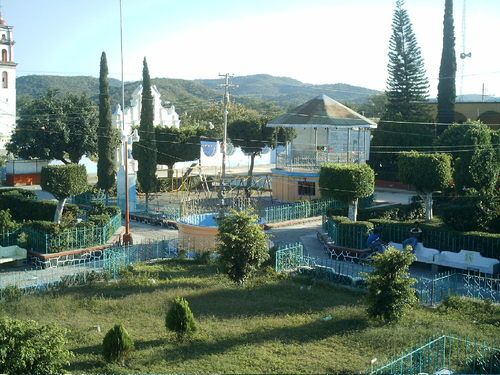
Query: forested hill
[{"x": 254, "y": 91}]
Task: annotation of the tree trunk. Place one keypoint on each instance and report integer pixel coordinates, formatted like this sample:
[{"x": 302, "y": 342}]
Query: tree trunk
[
  {"x": 147, "y": 202},
  {"x": 250, "y": 175},
  {"x": 353, "y": 210},
  {"x": 170, "y": 172},
  {"x": 428, "y": 207},
  {"x": 59, "y": 211}
]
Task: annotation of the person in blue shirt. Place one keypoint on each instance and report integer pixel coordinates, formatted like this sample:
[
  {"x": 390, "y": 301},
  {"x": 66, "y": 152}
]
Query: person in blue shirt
[
  {"x": 374, "y": 241},
  {"x": 415, "y": 236}
]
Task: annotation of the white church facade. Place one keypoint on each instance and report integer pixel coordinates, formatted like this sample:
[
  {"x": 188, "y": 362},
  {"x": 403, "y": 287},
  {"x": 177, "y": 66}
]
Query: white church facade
[
  {"x": 163, "y": 117},
  {"x": 8, "y": 85}
]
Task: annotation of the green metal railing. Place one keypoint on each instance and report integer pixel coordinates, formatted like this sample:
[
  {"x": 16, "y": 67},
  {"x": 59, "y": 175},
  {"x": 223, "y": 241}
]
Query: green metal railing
[
  {"x": 9, "y": 238},
  {"x": 289, "y": 257},
  {"x": 348, "y": 235},
  {"x": 446, "y": 353},
  {"x": 299, "y": 210},
  {"x": 70, "y": 239}
]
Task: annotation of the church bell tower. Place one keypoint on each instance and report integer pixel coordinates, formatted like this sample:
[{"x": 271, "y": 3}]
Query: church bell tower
[{"x": 8, "y": 84}]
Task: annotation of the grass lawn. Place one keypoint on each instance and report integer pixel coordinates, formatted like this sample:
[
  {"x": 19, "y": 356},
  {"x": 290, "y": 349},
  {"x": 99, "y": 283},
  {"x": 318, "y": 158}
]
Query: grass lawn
[{"x": 272, "y": 325}]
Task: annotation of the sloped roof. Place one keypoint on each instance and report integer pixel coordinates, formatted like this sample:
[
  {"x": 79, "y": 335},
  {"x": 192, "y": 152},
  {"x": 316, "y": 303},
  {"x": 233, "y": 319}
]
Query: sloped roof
[{"x": 322, "y": 112}]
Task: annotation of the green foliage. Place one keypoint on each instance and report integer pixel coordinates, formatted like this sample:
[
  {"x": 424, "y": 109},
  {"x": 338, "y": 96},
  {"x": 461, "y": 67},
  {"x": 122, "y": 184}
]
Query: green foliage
[
  {"x": 117, "y": 344},
  {"x": 11, "y": 293},
  {"x": 6, "y": 222},
  {"x": 427, "y": 172},
  {"x": 407, "y": 85},
  {"x": 402, "y": 212},
  {"x": 146, "y": 151},
  {"x": 23, "y": 207},
  {"x": 242, "y": 245},
  {"x": 63, "y": 181},
  {"x": 69, "y": 125},
  {"x": 346, "y": 182},
  {"x": 475, "y": 212},
  {"x": 108, "y": 138},
  {"x": 26, "y": 347},
  {"x": 177, "y": 145},
  {"x": 180, "y": 319},
  {"x": 390, "y": 292},
  {"x": 476, "y": 163},
  {"x": 448, "y": 69},
  {"x": 352, "y": 233}
]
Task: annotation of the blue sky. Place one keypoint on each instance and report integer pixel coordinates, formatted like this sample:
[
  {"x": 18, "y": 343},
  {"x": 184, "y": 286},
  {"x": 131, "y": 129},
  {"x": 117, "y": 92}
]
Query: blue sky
[{"x": 315, "y": 41}]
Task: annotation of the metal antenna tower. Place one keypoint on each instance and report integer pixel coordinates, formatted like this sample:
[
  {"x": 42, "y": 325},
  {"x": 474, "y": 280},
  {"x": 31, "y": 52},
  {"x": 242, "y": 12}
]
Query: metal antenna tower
[{"x": 463, "y": 54}]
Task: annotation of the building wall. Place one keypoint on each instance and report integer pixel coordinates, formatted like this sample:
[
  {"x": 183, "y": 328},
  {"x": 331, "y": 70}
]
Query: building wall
[
  {"x": 8, "y": 93},
  {"x": 487, "y": 112},
  {"x": 285, "y": 185}
]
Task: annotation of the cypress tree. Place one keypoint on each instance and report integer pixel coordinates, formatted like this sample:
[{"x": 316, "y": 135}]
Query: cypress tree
[
  {"x": 107, "y": 139},
  {"x": 146, "y": 150},
  {"x": 407, "y": 85},
  {"x": 447, "y": 70}
]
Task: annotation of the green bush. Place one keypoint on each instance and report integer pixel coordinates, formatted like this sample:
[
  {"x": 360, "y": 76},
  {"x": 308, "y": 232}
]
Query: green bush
[
  {"x": 6, "y": 222},
  {"x": 390, "y": 292},
  {"x": 117, "y": 344},
  {"x": 99, "y": 220},
  {"x": 351, "y": 233},
  {"x": 25, "y": 209},
  {"x": 17, "y": 192},
  {"x": 11, "y": 293},
  {"x": 469, "y": 213},
  {"x": 26, "y": 347},
  {"x": 180, "y": 319}
]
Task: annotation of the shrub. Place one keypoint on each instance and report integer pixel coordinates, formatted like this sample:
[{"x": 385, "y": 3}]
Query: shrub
[
  {"x": 26, "y": 347},
  {"x": 390, "y": 291},
  {"x": 203, "y": 257},
  {"x": 117, "y": 344},
  {"x": 351, "y": 234},
  {"x": 469, "y": 213},
  {"x": 180, "y": 319},
  {"x": 99, "y": 220},
  {"x": 11, "y": 293},
  {"x": 6, "y": 222},
  {"x": 242, "y": 246}
]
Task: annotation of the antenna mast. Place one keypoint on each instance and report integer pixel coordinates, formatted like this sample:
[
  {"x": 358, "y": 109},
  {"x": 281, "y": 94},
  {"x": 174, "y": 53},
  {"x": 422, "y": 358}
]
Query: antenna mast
[{"x": 464, "y": 54}]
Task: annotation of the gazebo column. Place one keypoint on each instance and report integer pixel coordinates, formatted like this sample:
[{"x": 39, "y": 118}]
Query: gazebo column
[
  {"x": 359, "y": 154},
  {"x": 348, "y": 144},
  {"x": 316, "y": 146},
  {"x": 327, "y": 145}
]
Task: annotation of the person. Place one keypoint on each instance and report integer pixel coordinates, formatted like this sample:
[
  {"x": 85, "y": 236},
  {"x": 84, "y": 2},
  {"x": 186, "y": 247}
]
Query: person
[
  {"x": 374, "y": 241},
  {"x": 415, "y": 236}
]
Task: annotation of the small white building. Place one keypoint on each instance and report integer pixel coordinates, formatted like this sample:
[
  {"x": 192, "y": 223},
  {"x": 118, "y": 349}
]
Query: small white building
[
  {"x": 8, "y": 85},
  {"x": 163, "y": 116}
]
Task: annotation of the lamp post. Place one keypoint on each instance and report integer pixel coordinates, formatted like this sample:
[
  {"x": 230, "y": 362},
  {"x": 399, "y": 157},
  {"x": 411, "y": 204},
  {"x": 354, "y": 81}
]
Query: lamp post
[{"x": 127, "y": 237}]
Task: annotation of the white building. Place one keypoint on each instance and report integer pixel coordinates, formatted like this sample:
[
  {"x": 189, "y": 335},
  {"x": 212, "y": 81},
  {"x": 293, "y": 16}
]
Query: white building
[
  {"x": 163, "y": 117},
  {"x": 8, "y": 86}
]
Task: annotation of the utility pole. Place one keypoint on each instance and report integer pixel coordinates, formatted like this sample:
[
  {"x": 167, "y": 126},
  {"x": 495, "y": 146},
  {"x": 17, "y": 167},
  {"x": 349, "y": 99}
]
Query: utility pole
[{"x": 226, "y": 86}]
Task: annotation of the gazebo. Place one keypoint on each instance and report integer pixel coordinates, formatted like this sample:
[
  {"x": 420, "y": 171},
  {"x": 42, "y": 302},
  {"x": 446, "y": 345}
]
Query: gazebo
[{"x": 327, "y": 131}]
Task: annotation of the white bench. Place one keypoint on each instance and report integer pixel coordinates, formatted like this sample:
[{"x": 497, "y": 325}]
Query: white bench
[
  {"x": 423, "y": 254},
  {"x": 12, "y": 254},
  {"x": 468, "y": 260}
]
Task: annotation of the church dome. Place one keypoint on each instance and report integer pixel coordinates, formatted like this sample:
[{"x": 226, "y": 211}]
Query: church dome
[{"x": 2, "y": 21}]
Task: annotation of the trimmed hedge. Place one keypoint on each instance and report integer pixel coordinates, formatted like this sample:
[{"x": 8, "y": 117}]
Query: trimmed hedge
[
  {"x": 348, "y": 233},
  {"x": 438, "y": 236},
  {"x": 23, "y": 208},
  {"x": 346, "y": 182}
]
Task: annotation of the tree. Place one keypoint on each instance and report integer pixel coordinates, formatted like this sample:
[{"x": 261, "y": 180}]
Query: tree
[
  {"x": 407, "y": 85},
  {"x": 390, "y": 291},
  {"x": 177, "y": 145},
  {"x": 242, "y": 245},
  {"x": 427, "y": 172},
  {"x": 117, "y": 344},
  {"x": 108, "y": 139},
  {"x": 347, "y": 182},
  {"x": 145, "y": 152},
  {"x": 180, "y": 319},
  {"x": 63, "y": 181},
  {"x": 26, "y": 347},
  {"x": 251, "y": 135},
  {"x": 404, "y": 122},
  {"x": 54, "y": 127},
  {"x": 447, "y": 70},
  {"x": 473, "y": 144}
]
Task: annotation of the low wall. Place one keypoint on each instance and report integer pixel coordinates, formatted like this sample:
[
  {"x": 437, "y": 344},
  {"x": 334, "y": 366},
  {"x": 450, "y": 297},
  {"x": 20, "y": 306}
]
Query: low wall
[{"x": 192, "y": 237}]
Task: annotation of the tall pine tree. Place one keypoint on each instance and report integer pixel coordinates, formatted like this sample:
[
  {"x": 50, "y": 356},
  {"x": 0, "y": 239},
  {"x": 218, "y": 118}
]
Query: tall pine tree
[
  {"x": 146, "y": 150},
  {"x": 407, "y": 93},
  {"x": 407, "y": 85},
  {"x": 107, "y": 139},
  {"x": 447, "y": 70}
]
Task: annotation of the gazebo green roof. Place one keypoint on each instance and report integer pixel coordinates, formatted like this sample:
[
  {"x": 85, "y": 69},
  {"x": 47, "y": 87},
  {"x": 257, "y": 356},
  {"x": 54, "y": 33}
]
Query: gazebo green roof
[{"x": 322, "y": 112}]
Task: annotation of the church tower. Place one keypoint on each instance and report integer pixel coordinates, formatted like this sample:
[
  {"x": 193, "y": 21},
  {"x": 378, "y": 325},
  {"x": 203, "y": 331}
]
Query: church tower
[{"x": 8, "y": 84}]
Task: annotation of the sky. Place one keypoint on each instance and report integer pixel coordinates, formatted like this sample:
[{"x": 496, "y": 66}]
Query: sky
[{"x": 314, "y": 41}]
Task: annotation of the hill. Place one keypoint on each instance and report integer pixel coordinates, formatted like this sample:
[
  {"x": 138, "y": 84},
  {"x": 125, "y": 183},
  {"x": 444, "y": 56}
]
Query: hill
[{"x": 256, "y": 91}]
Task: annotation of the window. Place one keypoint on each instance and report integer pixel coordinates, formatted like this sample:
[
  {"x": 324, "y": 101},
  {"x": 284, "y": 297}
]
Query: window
[
  {"x": 307, "y": 188},
  {"x": 5, "y": 82},
  {"x": 4, "y": 55}
]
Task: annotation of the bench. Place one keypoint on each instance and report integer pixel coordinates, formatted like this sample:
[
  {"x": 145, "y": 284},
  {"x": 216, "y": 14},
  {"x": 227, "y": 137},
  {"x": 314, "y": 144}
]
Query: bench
[
  {"x": 468, "y": 260},
  {"x": 423, "y": 254},
  {"x": 12, "y": 253}
]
